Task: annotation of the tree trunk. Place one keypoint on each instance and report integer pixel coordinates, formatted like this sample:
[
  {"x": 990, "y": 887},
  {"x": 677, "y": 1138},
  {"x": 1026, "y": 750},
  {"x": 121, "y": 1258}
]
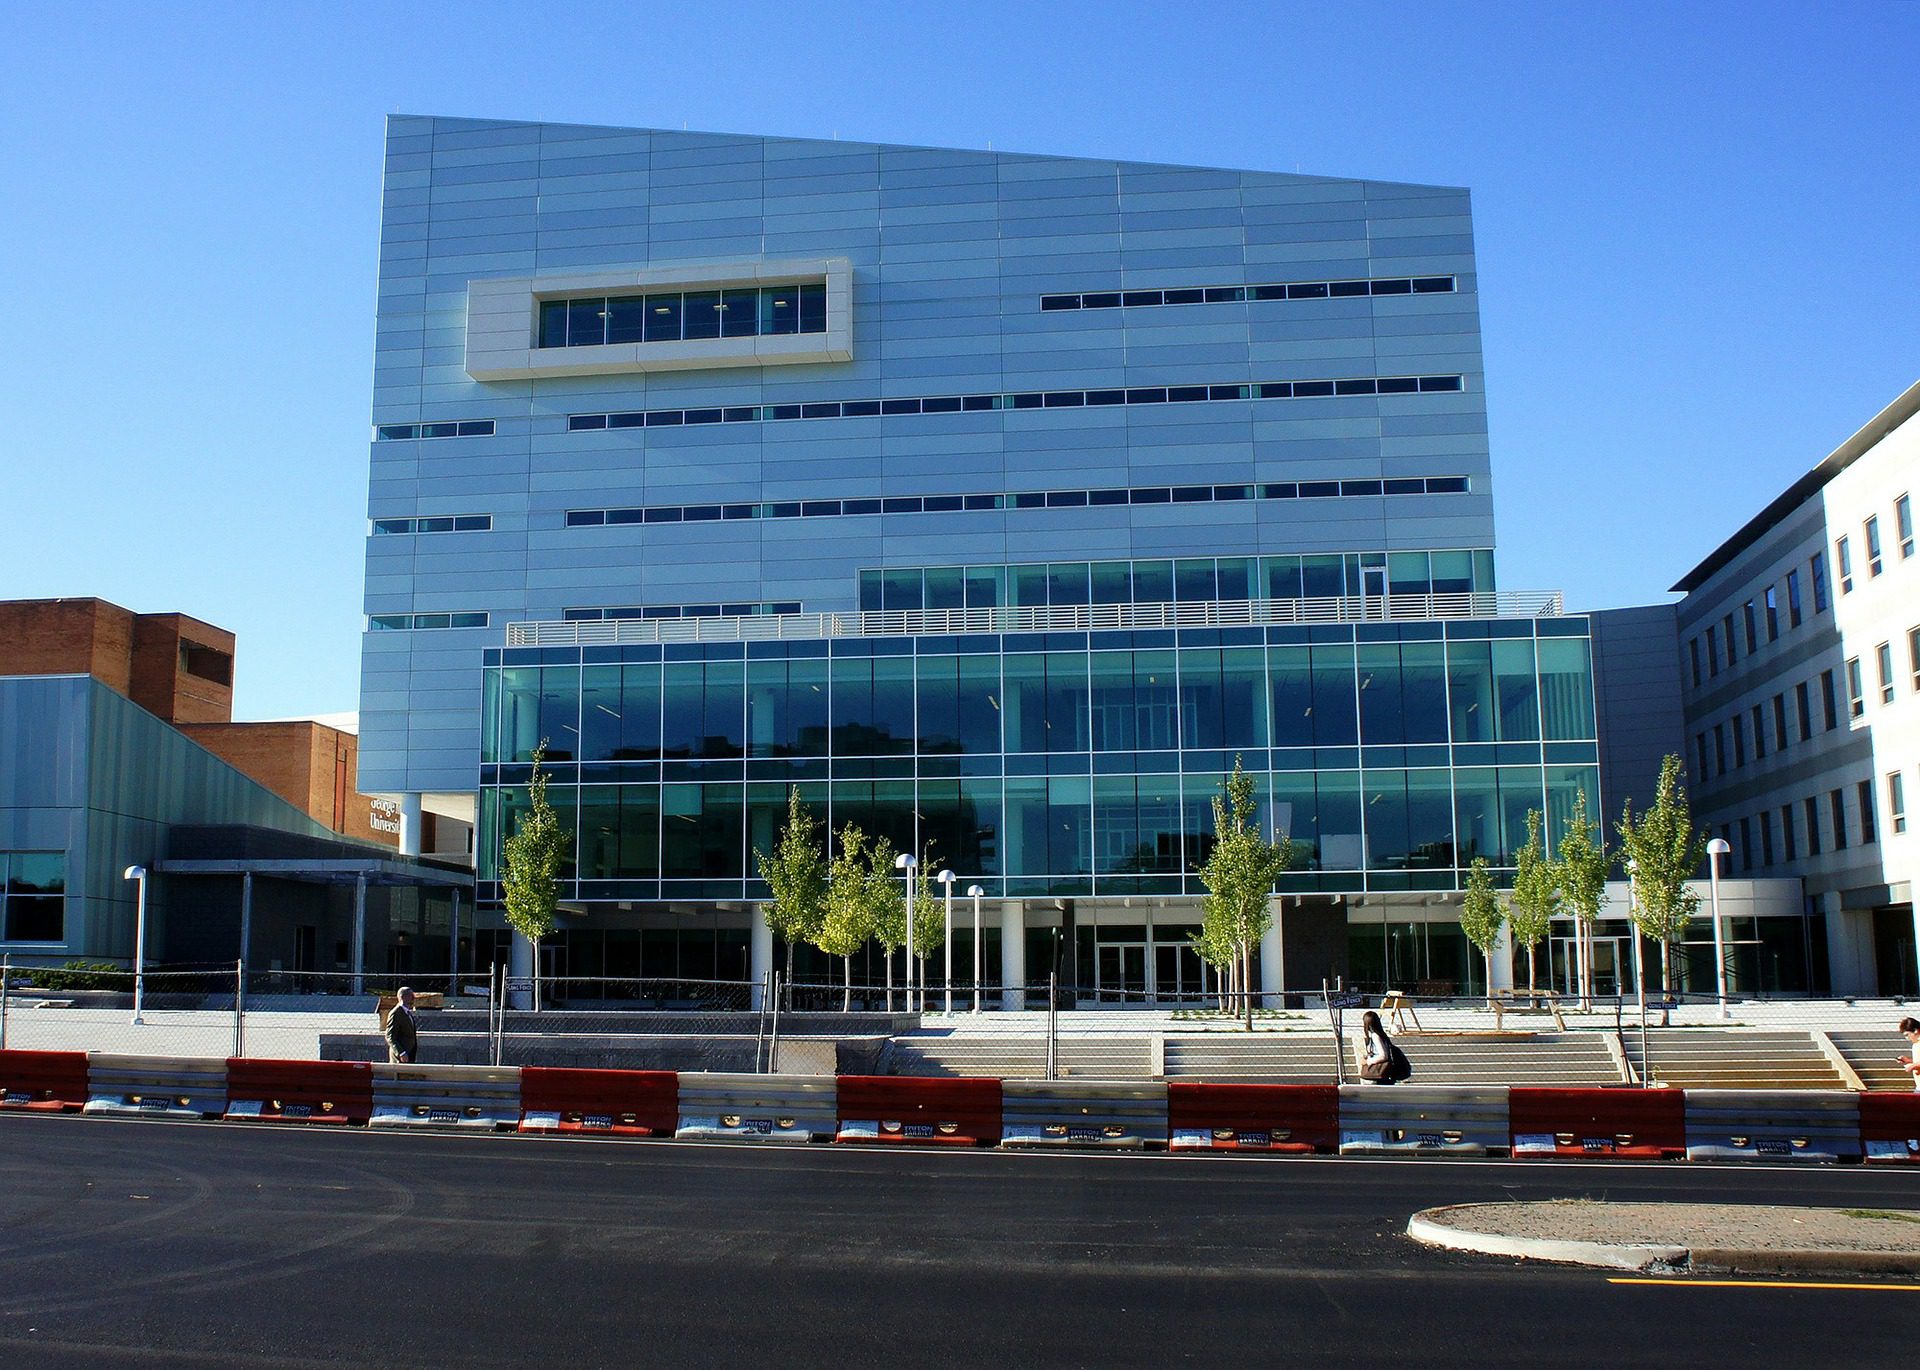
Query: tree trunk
[
  {"x": 846, "y": 999},
  {"x": 889, "y": 951},
  {"x": 1531, "y": 989},
  {"x": 788, "y": 991},
  {"x": 1247, "y": 975},
  {"x": 534, "y": 942}
]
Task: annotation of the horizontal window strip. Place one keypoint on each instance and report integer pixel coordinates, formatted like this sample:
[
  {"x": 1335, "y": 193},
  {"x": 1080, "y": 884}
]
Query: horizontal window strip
[
  {"x": 767, "y": 608},
  {"x": 387, "y": 623},
  {"x": 1024, "y": 499},
  {"x": 407, "y": 432},
  {"x": 1238, "y": 294},
  {"x": 1031, "y": 399},
  {"x": 439, "y": 523}
]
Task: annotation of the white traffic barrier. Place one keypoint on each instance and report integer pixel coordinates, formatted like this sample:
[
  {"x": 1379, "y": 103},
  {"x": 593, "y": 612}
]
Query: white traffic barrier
[
  {"x": 478, "y": 1097},
  {"x": 1109, "y": 1114},
  {"x": 157, "y": 1086},
  {"x": 1773, "y": 1125},
  {"x": 757, "y": 1108},
  {"x": 1428, "y": 1120}
]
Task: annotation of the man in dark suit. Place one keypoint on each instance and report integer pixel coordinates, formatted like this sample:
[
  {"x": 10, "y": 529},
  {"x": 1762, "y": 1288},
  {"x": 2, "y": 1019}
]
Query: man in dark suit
[{"x": 402, "y": 1031}]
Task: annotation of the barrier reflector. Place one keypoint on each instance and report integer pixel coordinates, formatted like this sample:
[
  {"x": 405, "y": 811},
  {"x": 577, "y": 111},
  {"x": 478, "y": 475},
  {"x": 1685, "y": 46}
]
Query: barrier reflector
[
  {"x": 1428, "y": 1120},
  {"x": 617, "y": 1103},
  {"x": 1590, "y": 1124},
  {"x": 919, "y": 1111},
  {"x": 1772, "y": 1125},
  {"x": 299, "y": 1091},
  {"x": 480, "y": 1098},
  {"x": 44, "y": 1081},
  {"x": 1288, "y": 1119},
  {"x": 720, "y": 1105},
  {"x": 1890, "y": 1127},
  {"x": 1108, "y": 1114},
  {"x": 156, "y": 1086}
]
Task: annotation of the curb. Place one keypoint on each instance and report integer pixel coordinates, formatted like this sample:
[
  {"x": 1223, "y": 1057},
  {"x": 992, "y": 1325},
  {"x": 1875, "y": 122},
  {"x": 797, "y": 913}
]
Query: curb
[{"x": 1430, "y": 1228}]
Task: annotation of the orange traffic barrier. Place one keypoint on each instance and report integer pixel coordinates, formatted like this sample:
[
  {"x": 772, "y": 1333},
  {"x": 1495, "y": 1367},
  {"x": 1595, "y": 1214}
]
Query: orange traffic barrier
[
  {"x": 299, "y": 1091},
  {"x": 45, "y": 1081},
  {"x": 628, "y": 1103},
  {"x": 907, "y": 1108},
  {"x": 1296, "y": 1119},
  {"x": 1890, "y": 1127},
  {"x": 1585, "y": 1124}
]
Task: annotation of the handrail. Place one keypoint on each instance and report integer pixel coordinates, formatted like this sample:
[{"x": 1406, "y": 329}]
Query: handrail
[{"x": 1045, "y": 619}]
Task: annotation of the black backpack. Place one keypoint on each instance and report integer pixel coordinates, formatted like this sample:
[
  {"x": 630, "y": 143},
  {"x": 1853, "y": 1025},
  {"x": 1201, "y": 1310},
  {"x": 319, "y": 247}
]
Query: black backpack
[{"x": 1398, "y": 1066}]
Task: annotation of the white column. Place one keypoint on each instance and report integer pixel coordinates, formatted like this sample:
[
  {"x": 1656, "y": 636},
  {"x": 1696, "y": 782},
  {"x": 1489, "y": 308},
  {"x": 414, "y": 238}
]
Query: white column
[
  {"x": 410, "y": 825},
  {"x": 759, "y": 955},
  {"x": 1503, "y": 960},
  {"x": 246, "y": 919},
  {"x": 1013, "y": 955},
  {"x": 1273, "y": 966}
]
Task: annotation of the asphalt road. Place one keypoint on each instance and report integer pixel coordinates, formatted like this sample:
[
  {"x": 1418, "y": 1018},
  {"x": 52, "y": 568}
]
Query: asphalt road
[{"x": 228, "y": 1245}]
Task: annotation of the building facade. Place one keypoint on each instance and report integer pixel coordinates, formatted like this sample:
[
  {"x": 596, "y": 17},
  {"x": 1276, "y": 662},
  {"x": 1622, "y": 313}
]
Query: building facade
[
  {"x": 1799, "y": 643},
  {"x": 997, "y": 501}
]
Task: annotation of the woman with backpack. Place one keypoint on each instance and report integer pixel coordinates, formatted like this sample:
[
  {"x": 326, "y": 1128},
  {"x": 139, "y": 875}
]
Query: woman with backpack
[{"x": 1385, "y": 1064}]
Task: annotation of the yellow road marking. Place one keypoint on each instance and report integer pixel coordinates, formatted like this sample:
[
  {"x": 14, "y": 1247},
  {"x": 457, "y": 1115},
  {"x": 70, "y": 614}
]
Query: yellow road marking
[{"x": 1761, "y": 1284}]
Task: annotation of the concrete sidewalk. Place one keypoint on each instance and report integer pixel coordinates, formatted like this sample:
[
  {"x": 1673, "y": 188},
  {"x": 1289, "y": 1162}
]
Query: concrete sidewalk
[{"x": 1697, "y": 1238}]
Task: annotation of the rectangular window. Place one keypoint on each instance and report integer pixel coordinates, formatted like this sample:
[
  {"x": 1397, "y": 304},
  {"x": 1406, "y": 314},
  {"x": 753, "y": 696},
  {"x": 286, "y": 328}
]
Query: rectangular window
[
  {"x": 1752, "y": 624},
  {"x": 1719, "y": 749},
  {"x": 1883, "y": 663},
  {"x": 1746, "y": 844},
  {"x": 1856, "y": 697},
  {"x": 1759, "y": 733},
  {"x": 1780, "y": 723},
  {"x": 33, "y": 890},
  {"x": 1804, "y": 707},
  {"x": 1773, "y": 615},
  {"x": 1872, "y": 530},
  {"x": 1812, "y": 808},
  {"x": 1903, "y": 525},
  {"x": 1726, "y": 625},
  {"x": 1713, "y": 651},
  {"x": 1897, "y": 801},
  {"x": 1787, "y": 844},
  {"x": 1843, "y": 562},
  {"x": 1739, "y": 741},
  {"x": 1818, "y": 565},
  {"x": 1700, "y": 755},
  {"x": 1913, "y": 655},
  {"x": 1836, "y": 801},
  {"x": 1793, "y": 598},
  {"x": 1869, "y": 825},
  {"x": 1828, "y": 710},
  {"x": 1766, "y": 838},
  {"x": 1693, "y": 652}
]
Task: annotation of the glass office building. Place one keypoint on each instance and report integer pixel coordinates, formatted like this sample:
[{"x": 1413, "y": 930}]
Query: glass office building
[{"x": 998, "y": 502}]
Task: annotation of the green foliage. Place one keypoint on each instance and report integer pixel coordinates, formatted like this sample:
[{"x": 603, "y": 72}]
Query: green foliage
[
  {"x": 848, "y": 921},
  {"x": 1665, "y": 853},
  {"x": 535, "y": 852},
  {"x": 929, "y": 909},
  {"x": 77, "y": 975},
  {"x": 1239, "y": 875},
  {"x": 885, "y": 895},
  {"x": 796, "y": 873},
  {"x": 1536, "y": 893},
  {"x": 1583, "y": 862},
  {"x": 1480, "y": 911}
]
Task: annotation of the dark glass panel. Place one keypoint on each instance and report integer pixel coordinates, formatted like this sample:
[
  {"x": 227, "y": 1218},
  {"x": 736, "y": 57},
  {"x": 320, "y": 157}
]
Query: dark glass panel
[
  {"x": 1393, "y": 287},
  {"x": 813, "y": 309},
  {"x": 626, "y": 319},
  {"x": 1353, "y": 387},
  {"x": 701, "y": 314},
  {"x": 1307, "y": 290},
  {"x": 1049, "y": 303},
  {"x": 1311, "y": 389},
  {"x": 586, "y": 322},
  {"x": 780, "y": 309},
  {"x": 553, "y": 323},
  {"x": 663, "y": 317},
  {"x": 1102, "y": 300},
  {"x": 702, "y": 832},
  {"x": 859, "y": 409},
  {"x": 1340, "y": 289},
  {"x": 1336, "y": 720},
  {"x": 739, "y": 313},
  {"x": 1290, "y": 672}
]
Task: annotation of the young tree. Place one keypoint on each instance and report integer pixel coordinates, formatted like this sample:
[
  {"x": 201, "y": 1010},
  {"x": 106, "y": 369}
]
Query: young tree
[
  {"x": 929, "y": 914},
  {"x": 796, "y": 874},
  {"x": 1481, "y": 914},
  {"x": 535, "y": 852},
  {"x": 1664, "y": 853},
  {"x": 848, "y": 920},
  {"x": 1239, "y": 876},
  {"x": 1583, "y": 862},
  {"x": 1536, "y": 894},
  {"x": 1210, "y": 944},
  {"x": 886, "y": 904}
]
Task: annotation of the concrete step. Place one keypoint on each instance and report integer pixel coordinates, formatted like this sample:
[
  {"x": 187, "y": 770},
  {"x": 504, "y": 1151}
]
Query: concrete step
[{"x": 1872, "y": 1054}]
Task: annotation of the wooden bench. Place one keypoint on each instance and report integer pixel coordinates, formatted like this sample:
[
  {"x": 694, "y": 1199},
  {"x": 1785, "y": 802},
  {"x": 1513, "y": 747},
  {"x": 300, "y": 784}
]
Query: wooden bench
[
  {"x": 1400, "y": 1007},
  {"x": 1506, "y": 1001}
]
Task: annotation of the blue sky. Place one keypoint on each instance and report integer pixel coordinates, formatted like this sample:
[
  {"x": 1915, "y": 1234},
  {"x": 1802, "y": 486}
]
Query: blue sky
[{"x": 1697, "y": 229}]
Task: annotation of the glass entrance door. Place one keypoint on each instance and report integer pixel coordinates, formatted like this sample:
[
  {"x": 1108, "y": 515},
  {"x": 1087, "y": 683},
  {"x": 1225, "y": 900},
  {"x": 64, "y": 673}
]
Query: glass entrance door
[
  {"x": 1609, "y": 955},
  {"x": 1121, "y": 973}
]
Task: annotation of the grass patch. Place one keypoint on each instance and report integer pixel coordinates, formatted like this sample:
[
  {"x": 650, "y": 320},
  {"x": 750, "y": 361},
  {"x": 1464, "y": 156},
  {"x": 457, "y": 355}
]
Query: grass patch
[{"x": 1881, "y": 1214}]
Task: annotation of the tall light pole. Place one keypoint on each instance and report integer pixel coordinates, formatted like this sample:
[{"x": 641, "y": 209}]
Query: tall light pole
[
  {"x": 946, "y": 883},
  {"x": 905, "y": 862},
  {"x": 138, "y": 874},
  {"x": 1716, "y": 849},
  {"x": 974, "y": 892}
]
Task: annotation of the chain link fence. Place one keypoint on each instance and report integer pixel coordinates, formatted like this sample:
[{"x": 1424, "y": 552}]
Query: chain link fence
[{"x": 1038, "y": 1030}]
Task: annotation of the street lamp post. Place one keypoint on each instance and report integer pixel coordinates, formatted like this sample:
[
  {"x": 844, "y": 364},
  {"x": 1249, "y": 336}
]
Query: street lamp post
[
  {"x": 946, "y": 883},
  {"x": 974, "y": 892},
  {"x": 906, "y": 862},
  {"x": 138, "y": 874},
  {"x": 1716, "y": 849}
]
